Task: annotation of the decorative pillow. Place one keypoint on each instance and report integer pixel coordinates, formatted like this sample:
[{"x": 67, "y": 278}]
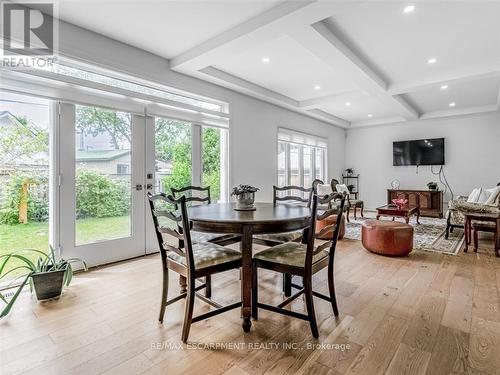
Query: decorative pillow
[
  {"x": 483, "y": 196},
  {"x": 494, "y": 193},
  {"x": 324, "y": 189},
  {"x": 474, "y": 195},
  {"x": 342, "y": 188}
]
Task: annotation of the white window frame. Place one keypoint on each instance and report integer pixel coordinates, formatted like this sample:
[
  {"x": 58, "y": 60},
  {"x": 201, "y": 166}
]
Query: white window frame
[
  {"x": 291, "y": 137},
  {"x": 73, "y": 91}
]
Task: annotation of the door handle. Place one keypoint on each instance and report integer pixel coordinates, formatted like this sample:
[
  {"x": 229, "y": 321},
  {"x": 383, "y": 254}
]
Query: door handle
[{"x": 138, "y": 187}]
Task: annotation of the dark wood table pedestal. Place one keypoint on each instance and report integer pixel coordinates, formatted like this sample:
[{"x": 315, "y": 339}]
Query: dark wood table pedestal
[{"x": 267, "y": 218}]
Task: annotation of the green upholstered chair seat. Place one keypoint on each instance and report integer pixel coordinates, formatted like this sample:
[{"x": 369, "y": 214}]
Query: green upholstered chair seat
[
  {"x": 207, "y": 254},
  {"x": 281, "y": 237},
  {"x": 290, "y": 253},
  {"x": 199, "y": 237}
]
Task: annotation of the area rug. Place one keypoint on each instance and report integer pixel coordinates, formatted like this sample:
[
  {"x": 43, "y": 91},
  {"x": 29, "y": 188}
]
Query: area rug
[{"x": 428, "y": 235}]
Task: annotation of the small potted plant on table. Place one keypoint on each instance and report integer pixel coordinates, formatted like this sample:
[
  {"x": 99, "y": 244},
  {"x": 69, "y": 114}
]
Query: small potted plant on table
[
  {"x": 432, "y": 185},
  {"x": 245, "y": 197},
  {"x": 46, "y": 275}
]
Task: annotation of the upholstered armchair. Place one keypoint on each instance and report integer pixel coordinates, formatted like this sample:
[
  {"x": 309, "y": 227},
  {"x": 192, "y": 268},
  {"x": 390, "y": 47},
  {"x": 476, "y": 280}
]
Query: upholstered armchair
[{"x": 455, "y": 215}]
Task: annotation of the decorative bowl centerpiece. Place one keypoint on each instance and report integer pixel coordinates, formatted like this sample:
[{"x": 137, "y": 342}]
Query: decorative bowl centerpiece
[
  {"x": 245, "y": 197},
  {"x": 400, "y": 202}
]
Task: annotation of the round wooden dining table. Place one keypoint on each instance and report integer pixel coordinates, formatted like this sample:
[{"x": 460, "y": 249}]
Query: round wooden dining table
[{"x": 267, "y": 218}]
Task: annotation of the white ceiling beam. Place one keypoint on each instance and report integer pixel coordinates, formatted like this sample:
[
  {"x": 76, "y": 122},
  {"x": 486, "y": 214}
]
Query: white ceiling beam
[
  {"x": 240, "y": 82},
  {"x": 276, "y": 22},
  {"x": 322, "y": 42},
  {"x": 316, "y": 102},
  {"x": 378, "y": 121},
  {"x": 459, "y": 112},
  {"x": 490, "y": 71},
  {"x": 267, "y": 95},
  {"x": 334, "y": 119},
  {"x": 246, "y": 33}
]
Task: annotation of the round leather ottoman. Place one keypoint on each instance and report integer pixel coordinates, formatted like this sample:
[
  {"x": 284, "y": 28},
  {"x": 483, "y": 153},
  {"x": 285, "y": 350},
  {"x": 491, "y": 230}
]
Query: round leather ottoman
[
  {"x": 331, "y": 220},
  {"x": 387, "y": 237}
]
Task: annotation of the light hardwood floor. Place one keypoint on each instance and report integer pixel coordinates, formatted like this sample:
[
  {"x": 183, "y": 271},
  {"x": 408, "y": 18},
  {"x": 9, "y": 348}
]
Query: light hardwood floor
[{"x": 424, "y": 314}]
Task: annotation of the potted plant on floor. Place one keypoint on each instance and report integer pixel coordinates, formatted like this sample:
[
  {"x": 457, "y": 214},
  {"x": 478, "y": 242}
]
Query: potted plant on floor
[{"x": 47, "y": 275}]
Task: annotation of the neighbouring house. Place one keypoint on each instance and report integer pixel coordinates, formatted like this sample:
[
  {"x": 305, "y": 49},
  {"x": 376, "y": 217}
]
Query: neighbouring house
[{"x": 110, "y": 162}]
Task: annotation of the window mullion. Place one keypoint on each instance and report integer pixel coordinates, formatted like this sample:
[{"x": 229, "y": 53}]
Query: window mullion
[
  {"x": 196, "y": 158},
  {"x": 301, "y": 165}
]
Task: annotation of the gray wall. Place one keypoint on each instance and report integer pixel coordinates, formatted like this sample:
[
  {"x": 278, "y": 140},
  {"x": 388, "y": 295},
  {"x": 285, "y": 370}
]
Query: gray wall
[{"x": 472, "y": 147}]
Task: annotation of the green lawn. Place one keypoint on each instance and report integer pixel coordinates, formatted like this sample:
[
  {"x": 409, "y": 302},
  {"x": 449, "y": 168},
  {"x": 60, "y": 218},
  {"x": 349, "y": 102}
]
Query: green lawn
[{"x": 36, "y": 235}]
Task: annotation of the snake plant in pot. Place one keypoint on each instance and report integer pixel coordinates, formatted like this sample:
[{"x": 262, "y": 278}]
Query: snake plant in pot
[{"x": 47, "y": 274}]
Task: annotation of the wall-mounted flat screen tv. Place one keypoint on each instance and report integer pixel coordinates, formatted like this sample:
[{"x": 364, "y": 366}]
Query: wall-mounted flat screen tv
[{"x": 418, "y": 152}]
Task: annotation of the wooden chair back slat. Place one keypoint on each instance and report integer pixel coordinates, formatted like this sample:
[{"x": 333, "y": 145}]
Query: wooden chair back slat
[
  {"x": 168, "y": 215},
  {"x": 303, "y": 196},
  {"x": 171, "y": 232},
  {"x": 174, "y": 249},
  {"x": 321, "y": 247},
  {"x": 188, "y": 192}
]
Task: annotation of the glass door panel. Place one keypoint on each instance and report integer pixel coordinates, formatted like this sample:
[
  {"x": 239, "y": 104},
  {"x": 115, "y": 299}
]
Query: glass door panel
[
  {"x": 102, "y": 183},
  {"x": 103, "y": 170},
  {"x": 213, "y": 156},
  {"x": 173, "y": 154},
  {"x": 25, "y": 169}
]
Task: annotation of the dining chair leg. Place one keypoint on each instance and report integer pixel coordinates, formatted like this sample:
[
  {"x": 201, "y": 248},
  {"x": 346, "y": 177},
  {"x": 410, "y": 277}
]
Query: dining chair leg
[
  {"x": 255, "y": 292},
  {"x": 362, "y": 208},
  {"x": 188, "y": 315},
  {"x": 208, "y": 287},
  {"x": 164, "y": 295},
  {"x": 347, "y": 214},
  {"x": 331, "y": 288},
  {"x": 287, "y": 284},
  {"x": 355, "y": 210},
  {"x": 310, "y": 306}
]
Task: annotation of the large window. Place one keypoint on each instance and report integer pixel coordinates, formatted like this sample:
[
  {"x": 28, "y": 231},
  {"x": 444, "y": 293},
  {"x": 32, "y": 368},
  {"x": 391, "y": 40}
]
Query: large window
[
  {"x": 25, "y": 166},
  {"x": 301, "y": 158},
  {"x": 190, "y": 154}
]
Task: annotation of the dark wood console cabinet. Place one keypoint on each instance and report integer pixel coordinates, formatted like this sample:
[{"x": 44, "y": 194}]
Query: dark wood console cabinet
[{"x": 429, "y": 201}]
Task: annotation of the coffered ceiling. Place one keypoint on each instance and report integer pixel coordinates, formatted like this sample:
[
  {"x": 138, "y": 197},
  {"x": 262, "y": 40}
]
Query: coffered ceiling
[{"x": 351, "y": 63}]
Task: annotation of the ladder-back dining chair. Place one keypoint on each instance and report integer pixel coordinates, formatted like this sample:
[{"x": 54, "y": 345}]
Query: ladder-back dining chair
[
  {"x": 197, "y": 195},
  {"x": 291, "y": 194},
  {"x": 304, "y": 260},
  {"x": 295, "y": 195},
  {"x": 190, "y": 260}
]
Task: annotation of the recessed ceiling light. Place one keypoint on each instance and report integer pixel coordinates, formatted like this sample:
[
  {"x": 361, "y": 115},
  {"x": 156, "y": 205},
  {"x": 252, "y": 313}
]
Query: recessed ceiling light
[
  {"x": 444, "y": 87},
  {"x": 432, "y": 60},
  {"x": 409, "y": 9},
  {"x": 453, "y": 104},
  {"x": 370, "y": 115},
  {"x": 348, "y": 103},
  {"x": 317, "y": 87},
  {"x": 265, "y": 60}
]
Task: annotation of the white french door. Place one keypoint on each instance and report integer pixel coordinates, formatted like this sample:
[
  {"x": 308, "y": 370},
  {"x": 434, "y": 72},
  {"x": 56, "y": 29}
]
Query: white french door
[{"x": 102, "y": 183}]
